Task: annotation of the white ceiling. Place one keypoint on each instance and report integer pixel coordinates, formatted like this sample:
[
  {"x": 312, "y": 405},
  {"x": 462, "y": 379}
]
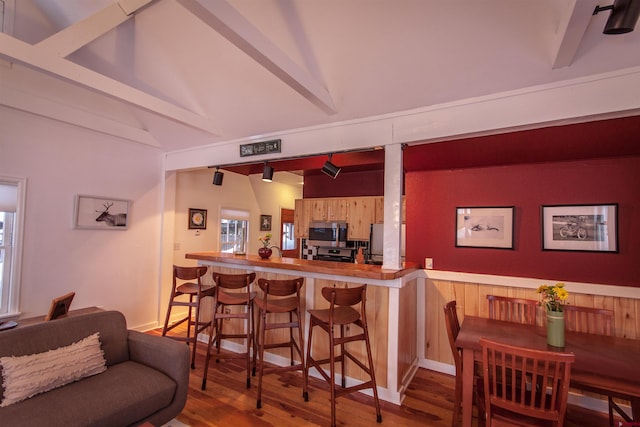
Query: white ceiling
[{"x": 182, "y": 73}]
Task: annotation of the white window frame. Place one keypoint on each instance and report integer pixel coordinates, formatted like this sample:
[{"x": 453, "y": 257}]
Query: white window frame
[{"x": 11, "y": 294}]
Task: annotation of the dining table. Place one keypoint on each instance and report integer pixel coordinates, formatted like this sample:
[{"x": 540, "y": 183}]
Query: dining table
[{"x": 607, "y": 363}]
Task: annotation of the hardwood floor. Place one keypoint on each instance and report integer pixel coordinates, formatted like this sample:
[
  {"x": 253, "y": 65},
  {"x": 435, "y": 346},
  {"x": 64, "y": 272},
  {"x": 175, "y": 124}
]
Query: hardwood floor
[{"x": 227, "y": 401}]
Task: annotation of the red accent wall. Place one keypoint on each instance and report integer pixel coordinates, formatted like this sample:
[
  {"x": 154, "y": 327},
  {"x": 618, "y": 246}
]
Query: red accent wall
[
  {"x": 432, "y": 197},
  {"x": 346, "y": 184}
]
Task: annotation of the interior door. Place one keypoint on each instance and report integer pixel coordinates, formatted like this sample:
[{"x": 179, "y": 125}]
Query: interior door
[{"x": 289, "y": 243}]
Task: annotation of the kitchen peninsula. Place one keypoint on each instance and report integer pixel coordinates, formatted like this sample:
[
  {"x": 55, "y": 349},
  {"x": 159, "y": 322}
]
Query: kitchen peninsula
[{"x": 389, "y": 293}]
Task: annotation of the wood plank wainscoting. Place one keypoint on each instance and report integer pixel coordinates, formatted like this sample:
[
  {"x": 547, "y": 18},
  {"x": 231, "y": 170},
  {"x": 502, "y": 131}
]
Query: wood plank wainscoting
[{"x": 471, "y": 290}]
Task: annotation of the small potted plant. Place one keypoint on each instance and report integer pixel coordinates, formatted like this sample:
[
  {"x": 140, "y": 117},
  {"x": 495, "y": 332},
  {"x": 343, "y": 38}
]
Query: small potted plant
[
  {"x": 265, "y": 251},
  {"x": 553, "y": 298}
]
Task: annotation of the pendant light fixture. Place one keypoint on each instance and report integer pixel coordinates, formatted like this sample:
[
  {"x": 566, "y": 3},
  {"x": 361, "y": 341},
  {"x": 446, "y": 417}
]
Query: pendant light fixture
[
  {"x": 267, "y": 173},
  {"x": 218, "y": 176},
  {"x": 330, "y": 169},
  {"x": 623, "y": 17}
]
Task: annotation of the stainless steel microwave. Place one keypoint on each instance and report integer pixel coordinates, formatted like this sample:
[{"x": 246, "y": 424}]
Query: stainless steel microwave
[{"x": 328, "y": 234}]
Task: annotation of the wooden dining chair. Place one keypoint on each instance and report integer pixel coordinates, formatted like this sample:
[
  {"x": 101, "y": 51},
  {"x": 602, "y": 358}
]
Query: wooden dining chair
[
  {"x": 537, "y": 392},
  {"x": 453, "y": 328},
  {"x": 280, "y": 312},
  {"x": 597, "y": 321},
  {"x": 512, "y": 309},
  {"x": 588, "y": 320},
  {"x": 233, "y": 300},
  {"x": 347, "y": 309}
]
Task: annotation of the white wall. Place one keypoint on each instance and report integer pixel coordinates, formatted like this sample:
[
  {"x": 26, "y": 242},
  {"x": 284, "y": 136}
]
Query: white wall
[{"x": 113, "y": 269}]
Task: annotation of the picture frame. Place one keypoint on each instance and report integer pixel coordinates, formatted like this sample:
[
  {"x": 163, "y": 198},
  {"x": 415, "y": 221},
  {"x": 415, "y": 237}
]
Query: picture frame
[
  {"x": 103, "y": 213},
  {"x": 485, "y": 227},
  {"x": 265, "y": 222},
  {"x": 588, "y": 227},
  {"x": 197, "y": 219},
  {"x": 60, "y": 306}
]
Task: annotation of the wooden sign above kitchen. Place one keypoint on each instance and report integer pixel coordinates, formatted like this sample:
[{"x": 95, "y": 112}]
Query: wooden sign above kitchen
[{"x": 257, "y": 148}]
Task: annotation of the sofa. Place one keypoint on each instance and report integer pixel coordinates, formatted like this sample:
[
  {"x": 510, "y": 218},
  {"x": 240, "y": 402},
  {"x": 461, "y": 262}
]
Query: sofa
[{"x": 102, "y": 374}]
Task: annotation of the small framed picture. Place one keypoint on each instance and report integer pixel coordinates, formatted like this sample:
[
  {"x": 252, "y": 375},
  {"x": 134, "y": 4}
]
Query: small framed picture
[
  {"x": 485, "y": 227},
  {"x": 197, "y": 219},
  {"x": 101, "y": 213},
  {"x": 60, "y": 306},
  {"x": 265, "y": 222},
  {"x": 592, "y": 228}
]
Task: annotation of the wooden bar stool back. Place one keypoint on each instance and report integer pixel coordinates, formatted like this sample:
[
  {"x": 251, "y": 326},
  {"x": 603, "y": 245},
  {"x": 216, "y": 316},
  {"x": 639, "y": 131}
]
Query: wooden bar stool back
[
  {"x": 183, "y": 284},
  {"x": 340, "y": 314},
  {"x": 279, "y": 308},
  {"x": 233, "y": 300},
  {"x": 516, "y": 310}
]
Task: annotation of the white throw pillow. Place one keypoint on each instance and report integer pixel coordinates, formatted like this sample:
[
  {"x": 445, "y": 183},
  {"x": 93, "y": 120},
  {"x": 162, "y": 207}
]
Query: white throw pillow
[{"x": 26, "y": 376}]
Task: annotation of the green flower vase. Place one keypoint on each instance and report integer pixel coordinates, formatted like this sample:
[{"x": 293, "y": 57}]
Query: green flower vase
[{"x": 555, "y": 328}]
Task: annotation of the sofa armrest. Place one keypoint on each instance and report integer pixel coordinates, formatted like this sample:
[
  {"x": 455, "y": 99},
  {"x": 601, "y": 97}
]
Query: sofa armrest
[{"x": 166, "y": 355}]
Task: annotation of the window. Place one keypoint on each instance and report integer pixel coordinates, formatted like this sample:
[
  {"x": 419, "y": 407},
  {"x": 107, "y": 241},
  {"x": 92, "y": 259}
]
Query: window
[
  {"x": 11, "y": 214},
  {"x": 234, "y": 230}
]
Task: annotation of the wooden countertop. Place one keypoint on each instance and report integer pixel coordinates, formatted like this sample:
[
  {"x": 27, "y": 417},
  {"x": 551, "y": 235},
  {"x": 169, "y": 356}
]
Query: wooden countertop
[{"x": 312, "y": 266}]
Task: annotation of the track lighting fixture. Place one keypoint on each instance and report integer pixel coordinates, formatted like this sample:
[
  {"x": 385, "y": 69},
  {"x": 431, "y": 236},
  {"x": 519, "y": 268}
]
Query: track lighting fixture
[
  {"x": 330, "y": 169},
  {"x": 218, "y": 176},
  {"x": 623, "y": 17},
  {"x": 267, "y": 173}
]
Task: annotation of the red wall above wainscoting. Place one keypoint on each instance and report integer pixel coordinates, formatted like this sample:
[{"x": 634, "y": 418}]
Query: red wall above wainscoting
[{"x": 432, "y": 197}]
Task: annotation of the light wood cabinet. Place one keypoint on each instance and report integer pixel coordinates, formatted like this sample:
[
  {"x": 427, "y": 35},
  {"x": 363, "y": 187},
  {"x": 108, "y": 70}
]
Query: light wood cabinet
[
  {"x": 359, "y": 212},
  {"x": 380, "y": 210}
]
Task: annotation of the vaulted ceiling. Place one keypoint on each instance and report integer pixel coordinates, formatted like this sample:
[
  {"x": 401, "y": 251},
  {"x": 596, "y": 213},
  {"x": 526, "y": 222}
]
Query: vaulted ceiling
[{"x": 177, "y": 74}]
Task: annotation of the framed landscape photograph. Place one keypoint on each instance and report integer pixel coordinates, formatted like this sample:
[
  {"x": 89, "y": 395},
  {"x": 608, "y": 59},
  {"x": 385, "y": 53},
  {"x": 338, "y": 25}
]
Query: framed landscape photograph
[
  {"x": 197, "y": 219},
  {"x": 592, "y": 228},
  {"x": 485, "y": 227},
  {"x": 102, "y": 213}
]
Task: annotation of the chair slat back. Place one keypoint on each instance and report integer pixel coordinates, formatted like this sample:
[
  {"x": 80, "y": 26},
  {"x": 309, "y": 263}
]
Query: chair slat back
[
  {"x": 516, "y": 310},
  {"x": 234, "y": 281},
  {"x": 453, "y": 328},
  {"x": 344, "y": 296},
  {"x": 525, "y": 382},
  {"x": 281, "y": 288},
  {"x": 188, "y": 273},
  {"x": 588, "y": 320}
]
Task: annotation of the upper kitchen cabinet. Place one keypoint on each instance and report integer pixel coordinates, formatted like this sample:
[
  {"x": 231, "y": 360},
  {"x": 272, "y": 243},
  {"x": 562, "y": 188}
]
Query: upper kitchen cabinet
[
  {"x": 361, "y": 214},
  {"x": 380, "y": 210}
]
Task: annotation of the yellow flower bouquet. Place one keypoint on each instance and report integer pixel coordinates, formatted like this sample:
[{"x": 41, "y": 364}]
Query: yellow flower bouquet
[
  {"x": 266, "y": 239},
  {"x": 553, "y": 297}
]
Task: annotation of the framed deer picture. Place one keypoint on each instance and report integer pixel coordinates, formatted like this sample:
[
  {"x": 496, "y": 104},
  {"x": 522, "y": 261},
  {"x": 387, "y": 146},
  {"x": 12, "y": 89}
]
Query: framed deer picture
[{"x": 102, "y": 213}]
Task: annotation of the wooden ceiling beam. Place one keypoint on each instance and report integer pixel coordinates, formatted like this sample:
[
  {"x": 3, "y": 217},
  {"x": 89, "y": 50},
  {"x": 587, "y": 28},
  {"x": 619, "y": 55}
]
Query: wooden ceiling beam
[{"x": 228, "y": 22}]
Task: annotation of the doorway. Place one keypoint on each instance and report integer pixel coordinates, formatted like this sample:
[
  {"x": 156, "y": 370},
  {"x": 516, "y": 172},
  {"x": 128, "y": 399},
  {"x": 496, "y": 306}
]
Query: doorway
[{"x": 289, "y": 244}]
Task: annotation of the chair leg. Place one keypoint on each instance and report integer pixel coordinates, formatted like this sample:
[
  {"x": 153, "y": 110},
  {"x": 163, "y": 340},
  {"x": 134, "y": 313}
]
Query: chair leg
[
  {"x": 332, "y": 369},
  {"x": 196, "y": 326},
  {"x": 305, "y": 370},
  {"x": 249, "y": 346},
  {"x": 262, "y": 321},
  {"x": 212, "y": 336},
  {"x": 305, "y": 394},
  {"x": 373, "y": 376},
  {"x": 166, "y": 319},
  {"x": 457, "y": 400},
  {"x": 343, "y": 380}
]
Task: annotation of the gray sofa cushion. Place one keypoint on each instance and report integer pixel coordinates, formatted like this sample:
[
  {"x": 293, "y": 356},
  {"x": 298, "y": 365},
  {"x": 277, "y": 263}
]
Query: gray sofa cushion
[
  {"x": 125, "y": 393},
  {"x": 61, "y": 332}
]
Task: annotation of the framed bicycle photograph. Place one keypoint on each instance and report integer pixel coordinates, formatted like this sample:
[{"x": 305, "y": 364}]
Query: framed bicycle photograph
[
  {"x": 485, "y": 227},
  {"x": 592, "y": 228}
]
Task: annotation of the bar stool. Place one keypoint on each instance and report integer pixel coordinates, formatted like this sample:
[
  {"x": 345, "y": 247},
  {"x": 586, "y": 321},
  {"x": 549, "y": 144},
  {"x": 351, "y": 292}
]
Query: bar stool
[
  {"x": 196, "y": 292},
  {"x": 237, "y": 297},
  {"x": 280, "y": 298},
  {"x": 341, "y": 314}
]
